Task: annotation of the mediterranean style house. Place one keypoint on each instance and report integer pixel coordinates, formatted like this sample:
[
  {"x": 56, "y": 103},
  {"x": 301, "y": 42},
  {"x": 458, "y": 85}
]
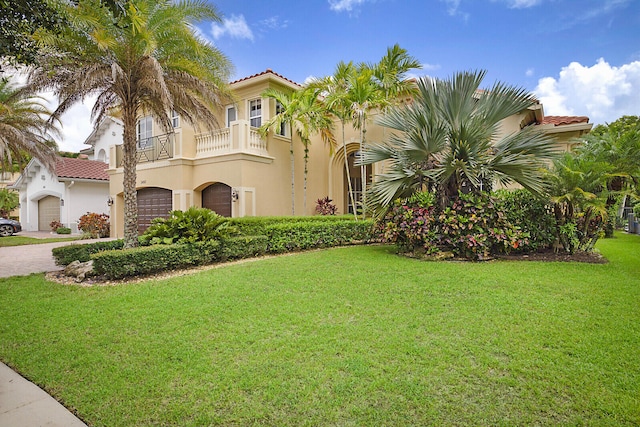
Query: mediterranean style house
[
  {"x": 236, "y": 172},
  {"x": 73, "y": 188}
]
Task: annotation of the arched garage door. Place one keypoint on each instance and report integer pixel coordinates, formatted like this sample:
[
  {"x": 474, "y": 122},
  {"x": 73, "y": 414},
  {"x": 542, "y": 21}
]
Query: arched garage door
[
  {"x": 217, "y": 197},
  {"x": 48, "y": 211},
  {"x": 153, "y": 203}
]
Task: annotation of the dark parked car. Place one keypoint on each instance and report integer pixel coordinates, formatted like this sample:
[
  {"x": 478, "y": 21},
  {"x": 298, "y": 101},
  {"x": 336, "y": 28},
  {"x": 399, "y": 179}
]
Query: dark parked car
[{"x": 9, "y": 227}]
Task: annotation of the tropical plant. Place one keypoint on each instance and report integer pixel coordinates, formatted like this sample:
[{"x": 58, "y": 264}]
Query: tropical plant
[
  {"x": 94, "y": 224},
  {"x": 325, "y": 207},
  {"x": 192, "y": 225},
  {"x": 24, "y": 130},
  {"x": 303, "y": 114},
  {"x": 446, "y": 141},
  {"x": 335, "y": 89},
  {"x": 140, "y": 57},
  {"x": 578, "y": 189},
  {"x": 9, "y": 200}
]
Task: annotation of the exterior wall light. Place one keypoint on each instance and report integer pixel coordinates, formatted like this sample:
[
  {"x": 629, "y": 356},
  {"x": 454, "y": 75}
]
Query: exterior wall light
[
  {"x": 234, "y": 195},
  {"x": 110, "y": 201}
]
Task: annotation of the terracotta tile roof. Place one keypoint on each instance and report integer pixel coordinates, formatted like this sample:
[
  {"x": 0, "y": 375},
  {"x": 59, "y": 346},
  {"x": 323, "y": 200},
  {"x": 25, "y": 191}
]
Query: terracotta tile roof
[
  {"x": 564, "y": 120},
  {"x": 81, "y": 169},
  {"x": 267, "y": 71}
]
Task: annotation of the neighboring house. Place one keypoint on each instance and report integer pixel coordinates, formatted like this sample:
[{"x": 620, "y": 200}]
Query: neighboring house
[
  {"x": 107, "y": 134},
  {"x": 236, "y": 173}
]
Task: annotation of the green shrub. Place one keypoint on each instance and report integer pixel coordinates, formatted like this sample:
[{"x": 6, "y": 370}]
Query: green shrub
[
  {"x": 471, "y": 226},
  {"x": 256, "y": 226},
  {"x": 533, "y": 215},
  {"x": 65, "y": 255},
  {"x": 242, "y": 247},
  {"x": 63, "y": 230},
  {"x": 192, "y": 225},
  {"x": 95, "y": 224},
  {"x": 287, "y": 237},
  {"x": 117, "y": 264}
]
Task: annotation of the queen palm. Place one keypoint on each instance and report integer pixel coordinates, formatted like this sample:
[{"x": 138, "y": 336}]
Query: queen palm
[
  {"x": 446, "y": 141},
  {"x": 24, "y": 129},
  {"x": 302, "y": 113},
  {"x": 141, "y": 57}
]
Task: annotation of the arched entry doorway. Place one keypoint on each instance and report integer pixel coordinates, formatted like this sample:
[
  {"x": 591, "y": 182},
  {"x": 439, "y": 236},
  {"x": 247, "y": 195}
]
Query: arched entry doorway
[
  {"x": 355, "y": 173},
  {"x": 217, "y": 197},
  {"x": 48, "y": 211},
  {"x": 153, "y": 202}
]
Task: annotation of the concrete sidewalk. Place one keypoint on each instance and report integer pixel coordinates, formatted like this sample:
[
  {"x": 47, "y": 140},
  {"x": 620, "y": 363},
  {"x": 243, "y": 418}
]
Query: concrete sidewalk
[{"x": 24, "y": 404}]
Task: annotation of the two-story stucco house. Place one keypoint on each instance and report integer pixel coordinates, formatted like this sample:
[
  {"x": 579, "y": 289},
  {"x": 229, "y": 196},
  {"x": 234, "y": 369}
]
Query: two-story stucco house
[{"x": 236, "y": 173}]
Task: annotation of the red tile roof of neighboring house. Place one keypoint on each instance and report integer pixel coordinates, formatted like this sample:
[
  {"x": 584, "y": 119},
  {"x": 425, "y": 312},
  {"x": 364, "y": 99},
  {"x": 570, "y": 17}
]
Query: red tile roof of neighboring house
[
  {"x": 564, "y": 120},
  {"x": 267, "y": 71},
  {"x": 81, "y": 169}
]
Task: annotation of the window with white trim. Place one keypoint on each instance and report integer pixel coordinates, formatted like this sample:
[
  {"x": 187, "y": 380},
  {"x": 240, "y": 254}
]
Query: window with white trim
[
  {"x": 175, "y": 119},
  {"x": 255, "y": 113},
  {"x": 145, "y": 132},
  {"x": 282, "y": 131},
  {"x": 231, "y": 115}
]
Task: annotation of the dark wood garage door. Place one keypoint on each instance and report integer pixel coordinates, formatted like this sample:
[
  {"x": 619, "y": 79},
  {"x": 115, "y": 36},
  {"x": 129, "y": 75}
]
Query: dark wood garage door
[
  {"x": 217, "y": 197},
  {"x": 153, "y": 203}
]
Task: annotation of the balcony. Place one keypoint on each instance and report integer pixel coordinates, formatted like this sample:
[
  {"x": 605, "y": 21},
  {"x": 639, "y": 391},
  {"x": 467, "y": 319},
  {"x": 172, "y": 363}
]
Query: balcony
[
  {"x": 238, "y": 138},
  {"x": 152, "y": 149}
]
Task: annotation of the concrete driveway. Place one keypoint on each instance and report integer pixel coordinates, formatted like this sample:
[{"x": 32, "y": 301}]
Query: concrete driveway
[{"x": 27, "y": 259}]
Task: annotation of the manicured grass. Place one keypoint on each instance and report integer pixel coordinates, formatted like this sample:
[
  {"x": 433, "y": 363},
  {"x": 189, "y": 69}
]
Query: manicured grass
[
  {"x": 21, "y": 240},
  {"x": 346, "y": 336}
]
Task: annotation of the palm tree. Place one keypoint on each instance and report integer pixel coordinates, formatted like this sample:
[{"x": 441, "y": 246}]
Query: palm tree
[
  {"x": 446, "y": 142},
  {"x": 578, "y": 189},
  {"x": 141, "y": 57},
  {"x": 24, "y": 130},
  {"x": 301, "y": 112}
]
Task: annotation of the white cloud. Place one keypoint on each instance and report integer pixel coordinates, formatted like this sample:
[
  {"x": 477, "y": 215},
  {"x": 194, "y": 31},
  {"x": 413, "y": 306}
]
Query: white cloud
[
  {"x": 602, "y": 92},
  {"x": 521, "y": 4},
  {"x": 529, "y": 72},
  {"x": 275, "y": 23},
  {"x": 344, "y": 5},
  {"x": 235, "y": 27},
  {"x": 453, "y": 9}
]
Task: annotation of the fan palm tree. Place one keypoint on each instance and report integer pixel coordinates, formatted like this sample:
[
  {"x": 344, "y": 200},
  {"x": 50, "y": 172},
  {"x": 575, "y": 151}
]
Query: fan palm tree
[
  {"x": 141, "y": 57},
  {"x": 24, "y": 129},
  {"x": 446, "y": 141},
  {"x": 302, "y": 113}
]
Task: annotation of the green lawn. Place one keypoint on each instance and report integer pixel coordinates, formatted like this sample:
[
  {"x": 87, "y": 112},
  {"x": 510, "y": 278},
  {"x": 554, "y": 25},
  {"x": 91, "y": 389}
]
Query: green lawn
[
  {"x": 21, "y": 240},
  {"x": 349, "y": 336}
]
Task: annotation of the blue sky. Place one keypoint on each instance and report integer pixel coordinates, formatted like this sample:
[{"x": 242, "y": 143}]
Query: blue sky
[{"x": 580, "y": 57}]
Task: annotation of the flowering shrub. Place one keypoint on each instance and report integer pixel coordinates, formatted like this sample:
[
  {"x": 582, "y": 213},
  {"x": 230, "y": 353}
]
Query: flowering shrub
[
  {"x": 325, "y": 207},
  {"x": 94, "y": 224},
  {"x": 473, "y": 227},
  {"x": 55, "y": 224}
]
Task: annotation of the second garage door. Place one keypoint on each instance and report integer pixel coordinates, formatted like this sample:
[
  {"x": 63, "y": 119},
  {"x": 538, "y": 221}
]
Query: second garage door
[{"x": 217, "y": 197}]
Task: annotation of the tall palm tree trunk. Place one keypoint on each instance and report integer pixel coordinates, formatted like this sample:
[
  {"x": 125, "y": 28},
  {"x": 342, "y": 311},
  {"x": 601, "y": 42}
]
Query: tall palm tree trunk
[
  {"x": 293, "y": 172},
  {"x": 306, "y": 170},
  {"x": 346, "y": 167},
  {"x": 129, "y": 184}
]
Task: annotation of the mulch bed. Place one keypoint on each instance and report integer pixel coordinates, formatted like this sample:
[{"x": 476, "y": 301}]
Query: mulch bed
[{"x": 587, "y": 257}]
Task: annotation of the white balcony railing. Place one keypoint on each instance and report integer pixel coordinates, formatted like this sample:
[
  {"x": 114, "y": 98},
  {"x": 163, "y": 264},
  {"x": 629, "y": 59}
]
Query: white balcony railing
[{"x": 238, "y": 138}]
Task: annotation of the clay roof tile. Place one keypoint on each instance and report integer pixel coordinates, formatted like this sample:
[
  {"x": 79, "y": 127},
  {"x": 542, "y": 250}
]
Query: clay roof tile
[{"x": 81, "y": 169}]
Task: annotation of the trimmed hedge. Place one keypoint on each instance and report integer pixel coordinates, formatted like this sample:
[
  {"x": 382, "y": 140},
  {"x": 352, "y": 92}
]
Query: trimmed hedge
[
  {"x": 279, "y": 235},
  {"x": 117, "y": 264},
  {"x": 65, "y": 255},
  {"x": 297, "y": 236},
  {"x": 243, "y": 247},
  {"x": 256, "y": 225}
]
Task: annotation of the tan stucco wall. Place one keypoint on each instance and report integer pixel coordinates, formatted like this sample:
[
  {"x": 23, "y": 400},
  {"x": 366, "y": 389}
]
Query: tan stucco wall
[{"x": 263, "y": 182}]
